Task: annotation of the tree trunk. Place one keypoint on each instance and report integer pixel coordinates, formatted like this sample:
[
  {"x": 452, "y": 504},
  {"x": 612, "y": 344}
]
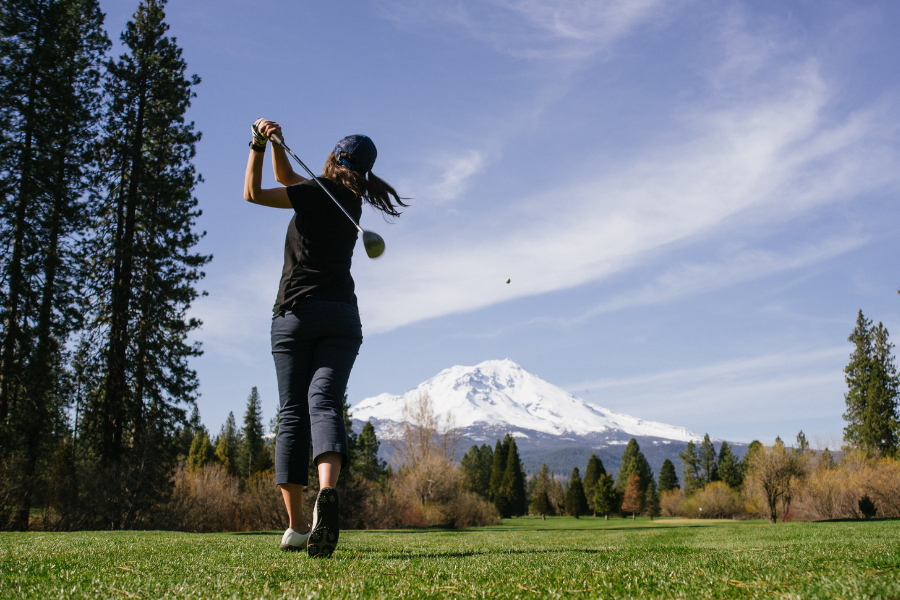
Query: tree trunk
[
  {"x": 116, "y": 382},
  {"x": 9, "y": 374}
]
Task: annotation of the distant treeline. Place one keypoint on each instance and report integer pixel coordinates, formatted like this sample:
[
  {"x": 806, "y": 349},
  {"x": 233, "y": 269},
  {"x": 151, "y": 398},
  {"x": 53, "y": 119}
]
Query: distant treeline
[{"x": 97, "y": 264}]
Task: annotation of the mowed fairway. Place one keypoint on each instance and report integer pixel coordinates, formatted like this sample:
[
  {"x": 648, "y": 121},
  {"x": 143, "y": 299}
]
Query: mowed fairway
[{"x": 524, "y": 558}]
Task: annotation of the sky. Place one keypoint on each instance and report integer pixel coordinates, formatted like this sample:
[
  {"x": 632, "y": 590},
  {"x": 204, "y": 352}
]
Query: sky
[{"x": 691, "y": 200}]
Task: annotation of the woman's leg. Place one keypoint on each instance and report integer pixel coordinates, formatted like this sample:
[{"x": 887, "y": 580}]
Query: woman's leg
[
  {"x": 293, "y": 366},
  {"x": 332, "y": 362}
]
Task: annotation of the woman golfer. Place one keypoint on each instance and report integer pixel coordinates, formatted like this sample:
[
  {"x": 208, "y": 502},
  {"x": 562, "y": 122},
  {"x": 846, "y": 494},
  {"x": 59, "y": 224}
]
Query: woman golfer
[{"x": 316, "y": 331}]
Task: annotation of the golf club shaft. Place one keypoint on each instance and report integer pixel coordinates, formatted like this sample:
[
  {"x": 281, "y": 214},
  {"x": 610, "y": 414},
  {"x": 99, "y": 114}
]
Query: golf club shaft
[{"x": 277, "y": 139}]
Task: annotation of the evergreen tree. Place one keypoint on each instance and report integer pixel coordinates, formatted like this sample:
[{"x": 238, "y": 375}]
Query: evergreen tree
[
  {"x": 264, "y": 460},
  {"x": 668, "y": 480},
  {"x": 368, "y": 464},
  {"x": 651, "y": 502},
  {"x": 476, "y": 466},
  {"x": 605, "y": 495},
  {"x": 633, "y": 461},
  {"x": 576, "y": 501},
  {"x": 633, "y": 501},
  {"x": 253, "y": 438},
  {"x": 802, "y": 444},
  {"x": 188, "y": 432},
  {"x": 591, "y": 474},
  {"x": 141, "y": 261},
  {"x": 201, "y": 451},
  {"x": 227, "y": 446},
  {"x": 50, "y": 51},
  {"x": 730, "y": 470},
  {"x": 513, "y": 485},
  {"x": 542, "y": 505},
  {"x": 498, "y": 467},
  {"x": 752, "y": 449},
  {"x": 826, "y": 461},
  {"x": 690, "y": 468},
  {"x": 709, "y": 462},
  {"x": 873, "y": 422},
  {"x": 542, "y": 490}
]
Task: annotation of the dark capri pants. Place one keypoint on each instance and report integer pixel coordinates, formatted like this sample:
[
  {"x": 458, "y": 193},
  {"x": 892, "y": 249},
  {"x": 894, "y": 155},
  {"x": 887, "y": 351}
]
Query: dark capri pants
[{"x": 314, "y": 346}]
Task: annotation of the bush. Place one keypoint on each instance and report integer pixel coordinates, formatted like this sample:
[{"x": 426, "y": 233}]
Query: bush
[
  {"x": 714, "y": 501},
  {"x": 835, "y": 493},
  {"x": 670, "y": 502}
]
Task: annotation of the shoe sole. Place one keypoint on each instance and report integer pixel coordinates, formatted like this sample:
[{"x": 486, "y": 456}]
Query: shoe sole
[
  {"x": 290, "y": 548},
  {"x": 325, "y": 534}
]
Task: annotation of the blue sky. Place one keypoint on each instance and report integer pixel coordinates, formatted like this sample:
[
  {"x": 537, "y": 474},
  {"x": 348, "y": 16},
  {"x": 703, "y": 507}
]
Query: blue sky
[{"x": 692, "y": 199}]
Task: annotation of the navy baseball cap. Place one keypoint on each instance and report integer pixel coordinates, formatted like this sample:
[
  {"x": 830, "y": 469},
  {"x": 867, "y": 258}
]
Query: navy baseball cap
[{"x": 359, "y": 152}]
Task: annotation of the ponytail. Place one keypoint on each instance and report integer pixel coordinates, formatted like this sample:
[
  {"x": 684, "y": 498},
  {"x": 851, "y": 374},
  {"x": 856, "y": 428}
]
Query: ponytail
[{"x": 368, "y": 186}]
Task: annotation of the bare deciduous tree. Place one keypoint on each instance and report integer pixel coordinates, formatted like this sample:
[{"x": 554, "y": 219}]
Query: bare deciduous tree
[
  {"x": 775, "y": 471},
  {"x": 427, "y": 451}
]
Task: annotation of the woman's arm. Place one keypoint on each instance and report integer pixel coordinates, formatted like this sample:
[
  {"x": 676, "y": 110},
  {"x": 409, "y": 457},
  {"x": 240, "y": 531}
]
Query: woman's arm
[
  {"x": 274, "y": 198},
  {"x": 284, "y": 172}
]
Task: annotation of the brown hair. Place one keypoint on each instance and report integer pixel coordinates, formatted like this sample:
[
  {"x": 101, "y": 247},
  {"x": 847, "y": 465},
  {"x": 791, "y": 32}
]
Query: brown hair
[{"x": 367, "y": 186}]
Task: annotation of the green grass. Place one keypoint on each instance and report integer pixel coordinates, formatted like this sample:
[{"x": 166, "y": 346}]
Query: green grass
[{"x": 523, "y": 558}]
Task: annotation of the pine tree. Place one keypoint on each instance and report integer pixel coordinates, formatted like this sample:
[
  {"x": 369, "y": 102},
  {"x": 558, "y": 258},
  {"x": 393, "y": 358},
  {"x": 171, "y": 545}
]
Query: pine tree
[
  {"x": 633, "y": 502},
  {"x": 802, "y": 444},
  {"x": 542, "y": 489},
  {"x": 605, "y": 495},
  {"x": 227, "y": 446},
  {"x": 690, "y": 468},
  {"x": 253, "y": 438},
  {"x": 752, "y": 448},
  {"x": 201, "y": 451},
  {"x": 476, "y": 466},
  {"x": 730, "y": 470},
  {"x": 651, "y": 502},
  {"x": 368, "y": 464},
  {"x": 633, "y": 461},
  {"x": 512, "y": 488},
  {"x": 709, "y": 462},
  {"x": 576, "y": 501},
  {"x": 591, "y": 474},
  {"x": 498, "y": 467},
  {"x": 668, "y": 480},
  {"x": 873, "y": 390},
  {"x": 49, "y": 103},
  {"x": 142, "y": 265}
]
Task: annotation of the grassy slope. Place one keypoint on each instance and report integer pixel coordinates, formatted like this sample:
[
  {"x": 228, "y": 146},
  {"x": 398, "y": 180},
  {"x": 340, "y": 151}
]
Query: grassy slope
[{"x": 525, "y": 558}]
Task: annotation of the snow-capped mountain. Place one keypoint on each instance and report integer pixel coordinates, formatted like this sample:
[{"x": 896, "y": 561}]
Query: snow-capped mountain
[{"x": 501, "y": 395}]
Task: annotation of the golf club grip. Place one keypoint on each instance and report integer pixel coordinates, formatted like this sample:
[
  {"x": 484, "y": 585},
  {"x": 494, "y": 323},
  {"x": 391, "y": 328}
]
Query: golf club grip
[{"x": 277, "y": 139}]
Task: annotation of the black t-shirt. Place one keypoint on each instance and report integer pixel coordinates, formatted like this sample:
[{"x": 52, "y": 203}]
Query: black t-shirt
[{"x": 319, "y": 244}]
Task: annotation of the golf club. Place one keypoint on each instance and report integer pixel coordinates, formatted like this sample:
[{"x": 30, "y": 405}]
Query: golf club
[{"x": 372, "y": 242}]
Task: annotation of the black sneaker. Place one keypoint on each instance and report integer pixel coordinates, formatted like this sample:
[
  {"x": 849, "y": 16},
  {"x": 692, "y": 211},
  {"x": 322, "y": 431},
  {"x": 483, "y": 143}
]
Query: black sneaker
[{"x": 324, "y": 534}]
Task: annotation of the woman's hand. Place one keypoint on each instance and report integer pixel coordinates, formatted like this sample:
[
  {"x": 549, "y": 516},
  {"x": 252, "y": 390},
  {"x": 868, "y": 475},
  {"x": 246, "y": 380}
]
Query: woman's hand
[{"x": 267, "y": 128}]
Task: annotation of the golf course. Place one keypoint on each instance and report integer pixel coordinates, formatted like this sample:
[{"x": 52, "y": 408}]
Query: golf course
[{"x": 561, "y": 557}]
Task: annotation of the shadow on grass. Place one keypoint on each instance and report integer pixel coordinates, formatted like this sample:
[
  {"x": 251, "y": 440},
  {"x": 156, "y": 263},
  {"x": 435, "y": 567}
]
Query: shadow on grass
[
  {"x": 395, "y": 555},
  {"x": 859, "y": 520}
]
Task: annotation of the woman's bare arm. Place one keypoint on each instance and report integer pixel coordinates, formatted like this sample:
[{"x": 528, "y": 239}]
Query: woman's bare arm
[{"x": 274, "y": 198}]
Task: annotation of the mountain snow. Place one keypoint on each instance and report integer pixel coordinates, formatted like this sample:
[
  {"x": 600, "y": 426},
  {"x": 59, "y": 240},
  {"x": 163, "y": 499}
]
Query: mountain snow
[{"x": 501, "y": 393}]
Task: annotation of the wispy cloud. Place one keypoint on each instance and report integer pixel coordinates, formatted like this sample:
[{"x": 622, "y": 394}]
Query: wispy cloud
[
  {"x": 448, "y": 177},
  {"x": 801, "y": 385},
  {"x": 764, "y": 159},
  {"x": 536, "y": 29}
]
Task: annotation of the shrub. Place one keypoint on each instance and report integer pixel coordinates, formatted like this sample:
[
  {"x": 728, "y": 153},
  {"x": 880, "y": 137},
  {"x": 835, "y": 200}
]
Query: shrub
[
  {"x": 670, "y": 502},
  {"x": 835, "y": 493},
  {"x": 713, "y": 501}
]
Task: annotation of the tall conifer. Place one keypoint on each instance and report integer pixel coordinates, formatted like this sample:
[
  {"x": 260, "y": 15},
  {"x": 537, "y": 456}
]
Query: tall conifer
[
  {"x": 498, "y": 466},
  {"x": 633, "y": 461},
  {"x": 253, "y": 440},
  {"x": 709, "y": 461},
  {"x": 576, "y": 501},
  {"x": 730, "y": 467},
  {"x": 512, "y": 488},
  {"x": 49, "y": 103},
  {"x": 591, "y": 474},
  {"x": 690, "y": 468},
  {"x": 873, "y": 390},
  {"x": 668, "y": 480}
]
